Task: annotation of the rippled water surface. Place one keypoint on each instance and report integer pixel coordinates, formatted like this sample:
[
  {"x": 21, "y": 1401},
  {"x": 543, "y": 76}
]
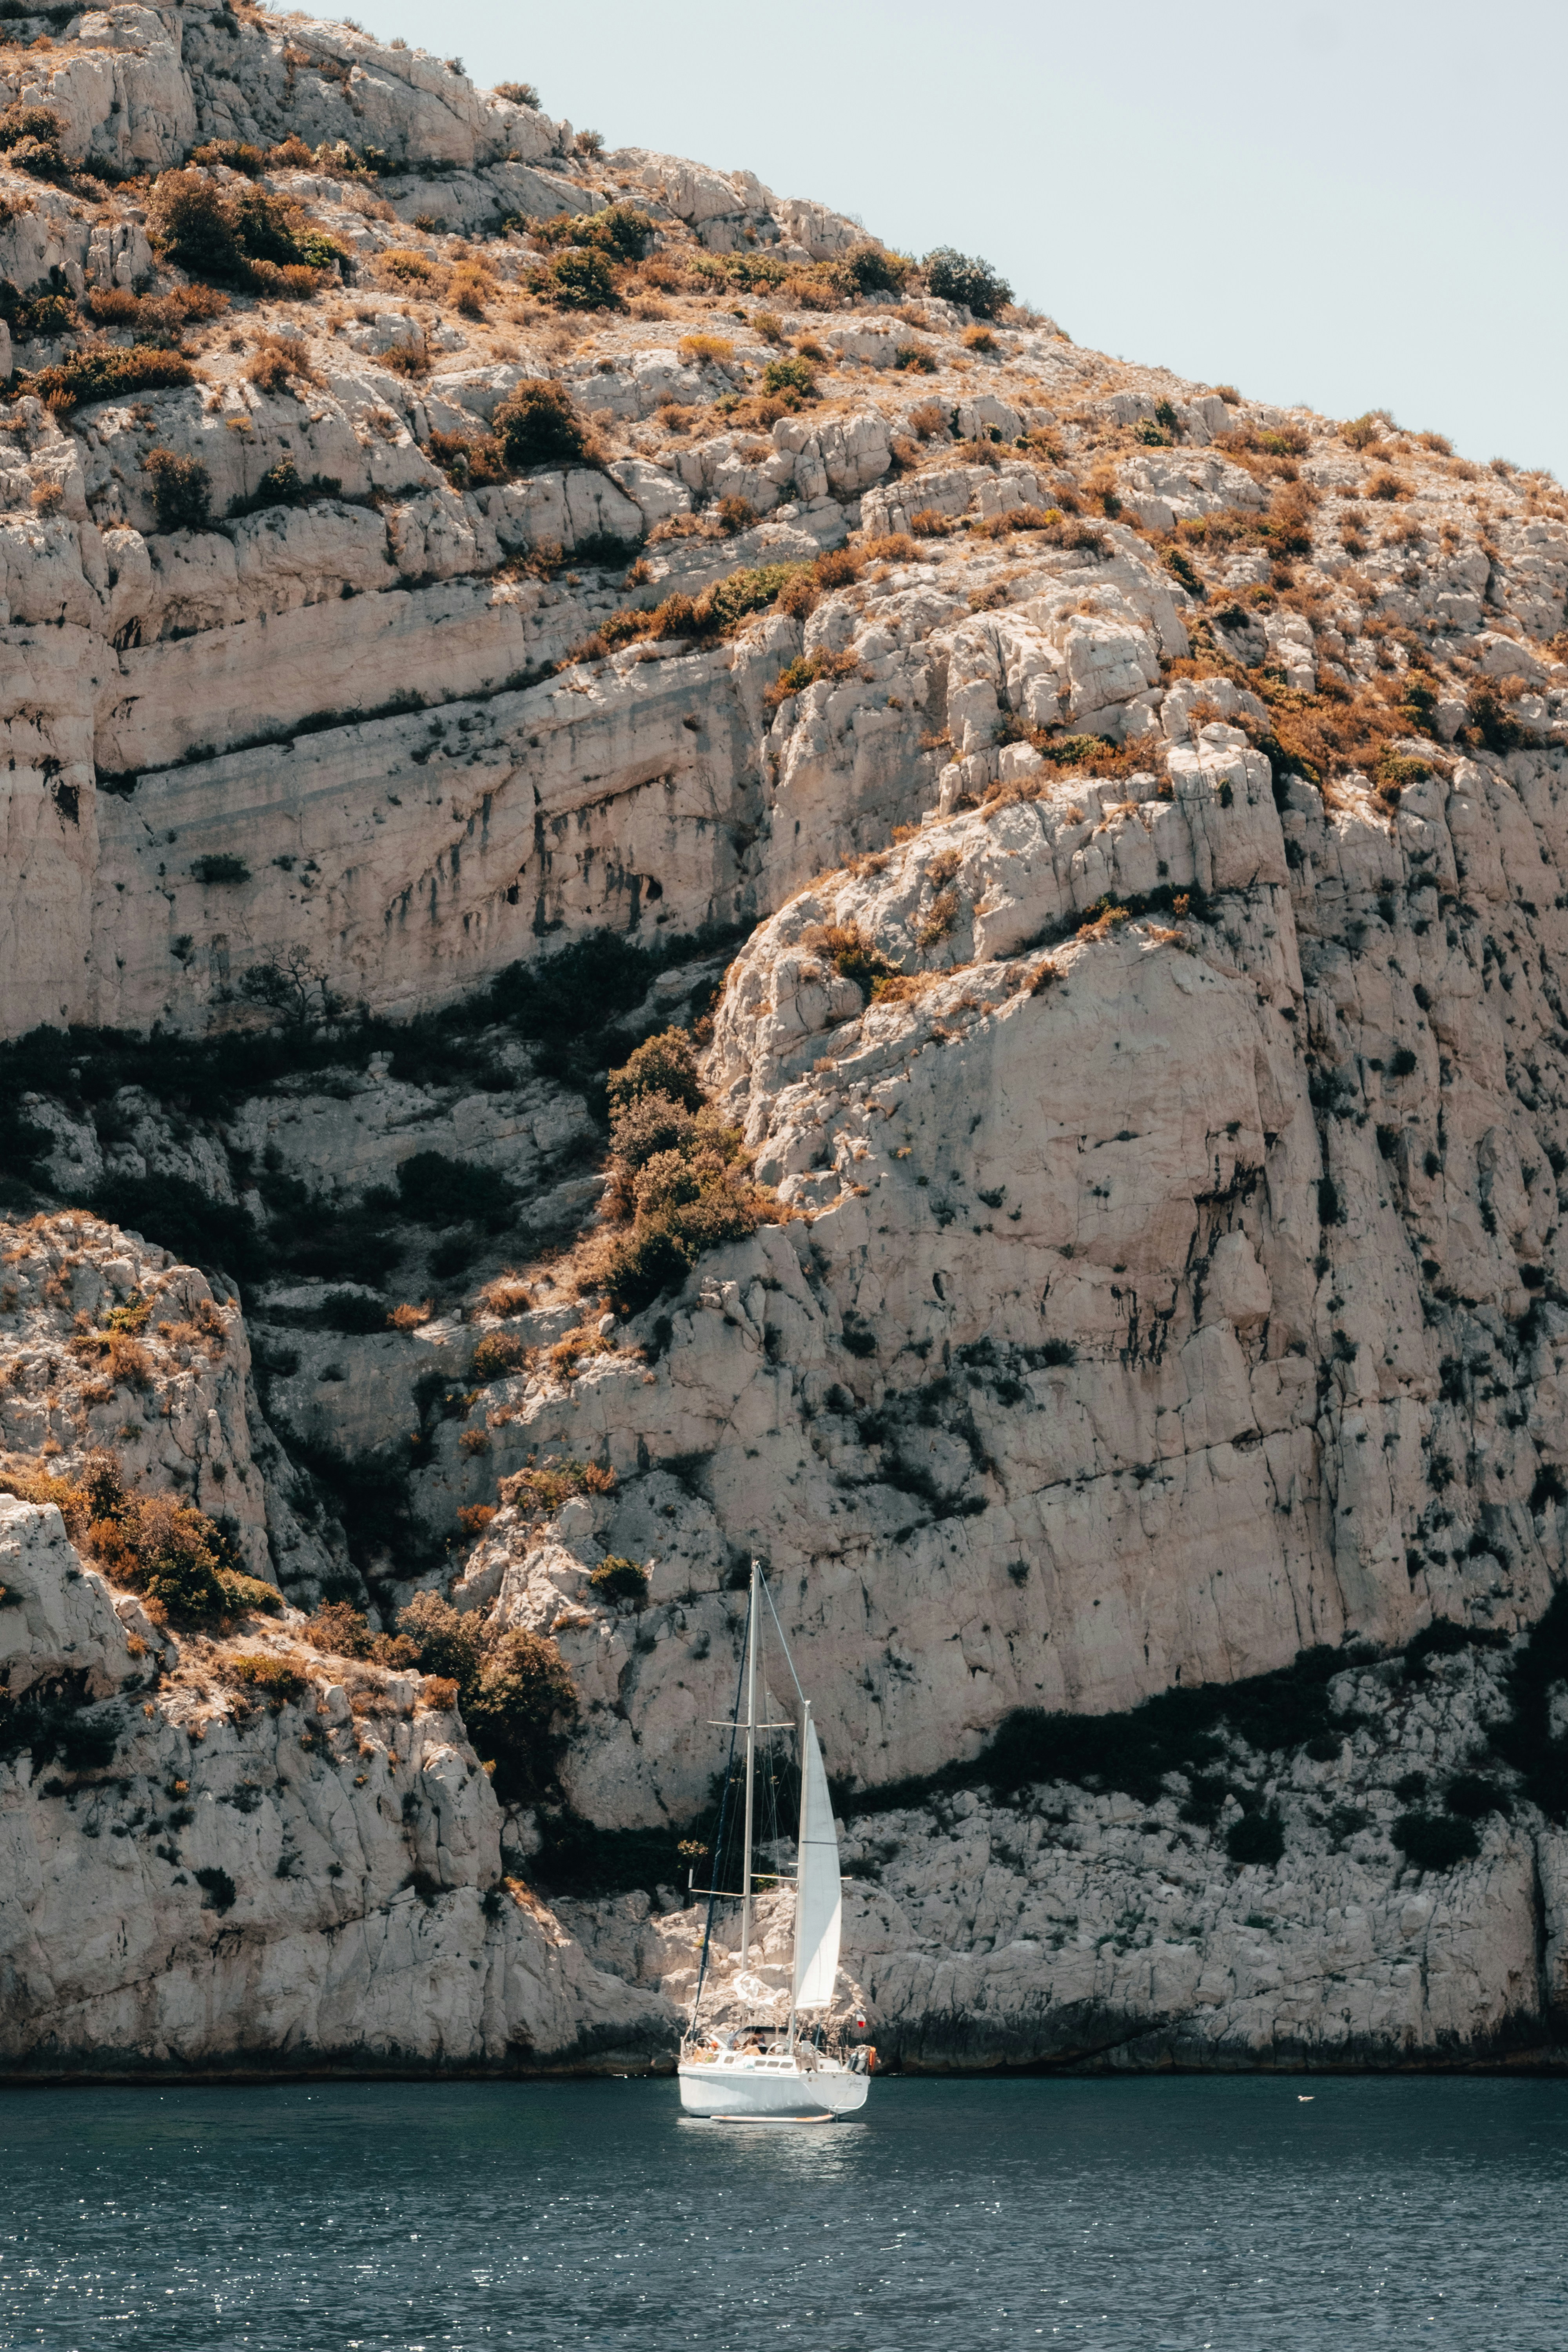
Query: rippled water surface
[{"x": 1195, "y": 2213}]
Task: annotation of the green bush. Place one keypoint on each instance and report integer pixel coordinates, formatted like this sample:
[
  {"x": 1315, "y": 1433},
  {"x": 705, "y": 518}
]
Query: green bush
[
  {"x": 615, "y": 1579},
  {"x": 870, "y": 269},
  {"x": 221, "y": 868},
  {"x": 795, "y": 376},
  {"x": 157, "y": 1546},
  {"x": 536, "y": 425},
  {"x": 662, "y": 1247},
  {"x": 218, "y": 1887},
  {"x": 1435, "y": 1841},
  {"x": 446, "y": 1640},
  {"x": 1442, "y": 1638},
  {"x": 196, "y": 224},
  {"x": 581, "y": 280},
  {"x": 514, "y": 1692},
  {"x": 651, "y": 1123},
  {"x": 249, "y": 1593},
  {"x": 237, "y": 239},
  {"x": 454, "y": 1255},
  {"x": 524, "y": 1693},
  {"x": 280, "y": 486},
  {"x": 182, "y": 489},
  {"x": 852, "y": 955},
  {"x": 265, "y": 227},
  {"x": 30, "y": 137},
  {"x": 727, "y": 602},
  {"x": 663, "y": 1064},
  {"x": 552, "y": 1482},
  {"x": 645, "y": 1263},
  {"x": 719, "y": 610},
  {"x": 751, "y": 272},
  {"x": 965, "y": 279},
  {"x": 621, "y": 231}
]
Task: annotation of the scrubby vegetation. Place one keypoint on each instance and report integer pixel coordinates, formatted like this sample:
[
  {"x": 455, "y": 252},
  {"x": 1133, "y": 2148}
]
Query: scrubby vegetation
[
  {"x": 677, "y": 1185},
  {"x": 251, "y": 239},
  {"x": 964, "y": 278},
  {"x": 615, "y": 1579},
  {"x": 536, "y": 425},
  {"x": 514, "y": 1687},
  {"x": 92, "y": 376},
  {"x": 542, "y": 1487},
  {"x": 169, "y": 1552}
]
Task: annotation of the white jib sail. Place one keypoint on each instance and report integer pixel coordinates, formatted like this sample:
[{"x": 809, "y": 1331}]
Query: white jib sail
[{"x": 818, "y": 1902}]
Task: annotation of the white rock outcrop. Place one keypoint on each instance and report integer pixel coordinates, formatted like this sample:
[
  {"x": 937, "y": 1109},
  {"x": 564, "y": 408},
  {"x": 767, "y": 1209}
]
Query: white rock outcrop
[{"x": 251, "y": 1884}]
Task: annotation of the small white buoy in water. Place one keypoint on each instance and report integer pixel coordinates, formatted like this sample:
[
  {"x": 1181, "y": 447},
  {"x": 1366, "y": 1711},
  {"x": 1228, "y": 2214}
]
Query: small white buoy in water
[{"x": 1305, "y": 2098}]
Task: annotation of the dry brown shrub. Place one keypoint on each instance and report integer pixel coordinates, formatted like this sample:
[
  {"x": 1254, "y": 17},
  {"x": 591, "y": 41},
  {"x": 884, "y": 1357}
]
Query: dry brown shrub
[
  {"x": 574, "y": 1349},
  {"x": 1386, "y": 486},
  {"x": 902, "y": 987},
  {"x": 498, "y": 1354},
  {"x": 408, "y": 1318},
  {"x": 278, "y": 365},
  {"x": 129, "y": 1361},
  {"x": 895, "y": 547},
  {"x": 470, "y": 288},
  {"x": 508, "y": 1294},
  {"x": 339, "y": 1629}
]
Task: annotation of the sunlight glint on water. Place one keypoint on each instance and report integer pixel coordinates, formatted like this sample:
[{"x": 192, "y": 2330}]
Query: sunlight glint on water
[{"x": 1225, "y": 2214}]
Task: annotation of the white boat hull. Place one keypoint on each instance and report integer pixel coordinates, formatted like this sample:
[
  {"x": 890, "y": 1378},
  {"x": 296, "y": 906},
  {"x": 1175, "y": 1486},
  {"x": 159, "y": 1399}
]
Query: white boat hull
[{"x": 749, "y": 2090}]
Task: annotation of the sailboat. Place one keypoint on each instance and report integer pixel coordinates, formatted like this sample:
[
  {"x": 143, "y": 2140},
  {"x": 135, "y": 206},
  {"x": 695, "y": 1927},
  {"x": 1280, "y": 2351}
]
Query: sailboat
[{"x": 761, "y": 2074}]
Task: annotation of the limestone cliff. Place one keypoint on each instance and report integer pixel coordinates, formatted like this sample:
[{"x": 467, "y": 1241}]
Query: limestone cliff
[{"x": 1104, "y": 839}]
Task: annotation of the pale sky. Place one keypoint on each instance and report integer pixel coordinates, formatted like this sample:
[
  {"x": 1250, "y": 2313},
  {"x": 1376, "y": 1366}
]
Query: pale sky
[{"x": 1354, "y": 207}]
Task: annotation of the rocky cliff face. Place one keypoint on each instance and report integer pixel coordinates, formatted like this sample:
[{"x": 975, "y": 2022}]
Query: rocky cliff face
[{"x": 1106, "y": 840}]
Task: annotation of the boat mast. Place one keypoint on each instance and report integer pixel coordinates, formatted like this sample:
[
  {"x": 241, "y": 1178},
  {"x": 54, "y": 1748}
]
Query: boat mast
[
  {"x": 751, "y": 1773},
  {"x": 799, "y": 1867}
]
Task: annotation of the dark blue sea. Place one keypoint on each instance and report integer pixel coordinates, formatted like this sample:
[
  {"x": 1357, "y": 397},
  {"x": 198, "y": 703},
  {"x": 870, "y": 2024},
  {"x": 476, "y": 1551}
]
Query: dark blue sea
[{"x": 1201, "y": 2215}]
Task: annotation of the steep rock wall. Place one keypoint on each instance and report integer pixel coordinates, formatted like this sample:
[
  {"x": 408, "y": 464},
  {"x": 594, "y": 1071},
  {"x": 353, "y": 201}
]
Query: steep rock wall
[{"x": 1140, "y": 859}]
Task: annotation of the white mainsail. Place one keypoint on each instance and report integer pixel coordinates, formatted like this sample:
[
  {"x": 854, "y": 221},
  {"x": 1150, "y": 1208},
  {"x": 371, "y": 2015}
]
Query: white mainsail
[{"x": 818, "y": 1901}]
